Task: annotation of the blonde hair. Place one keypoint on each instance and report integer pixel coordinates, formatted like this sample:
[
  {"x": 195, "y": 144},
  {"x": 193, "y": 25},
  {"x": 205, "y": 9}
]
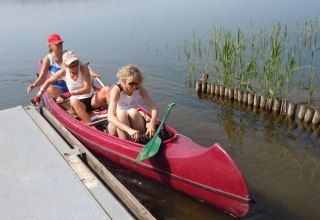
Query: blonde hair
[{"x": 130, "y": 73}]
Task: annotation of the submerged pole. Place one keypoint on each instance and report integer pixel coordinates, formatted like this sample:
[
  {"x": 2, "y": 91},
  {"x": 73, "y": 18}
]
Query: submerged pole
[
  {"x": 292, "y": 107},
  {"x": 316, "y": 118}
]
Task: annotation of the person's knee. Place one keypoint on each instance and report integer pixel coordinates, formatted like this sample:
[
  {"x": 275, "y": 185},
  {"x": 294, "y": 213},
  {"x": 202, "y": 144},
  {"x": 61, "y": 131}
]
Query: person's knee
[
  {"x": 107, "y": 89},
  {"x": 122, "y": 115},
  {"x": 133, "y": 112},
  {"x": 106, "y": 92},
  {"x": 112, "y": 130},
  {"x": 53, "y": 92},
  {"x": 75, "y": 104}
]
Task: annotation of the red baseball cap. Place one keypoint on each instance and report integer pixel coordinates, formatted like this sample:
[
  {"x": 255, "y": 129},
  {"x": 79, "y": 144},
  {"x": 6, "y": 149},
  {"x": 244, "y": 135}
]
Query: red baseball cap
[{"x": 54, "y": 39}]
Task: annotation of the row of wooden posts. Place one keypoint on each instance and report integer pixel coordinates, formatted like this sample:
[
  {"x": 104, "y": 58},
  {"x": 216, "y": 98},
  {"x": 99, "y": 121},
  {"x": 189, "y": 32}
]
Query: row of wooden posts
[{"x": 283, "y": 107}]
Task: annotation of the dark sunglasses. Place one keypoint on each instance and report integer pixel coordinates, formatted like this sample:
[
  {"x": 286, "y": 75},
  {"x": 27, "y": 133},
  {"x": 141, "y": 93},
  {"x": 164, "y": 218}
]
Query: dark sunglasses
[
  {"x": 73, "y": 64},
  {"x": 59, "y": 44},
  {"x": 133, "y": 84}
]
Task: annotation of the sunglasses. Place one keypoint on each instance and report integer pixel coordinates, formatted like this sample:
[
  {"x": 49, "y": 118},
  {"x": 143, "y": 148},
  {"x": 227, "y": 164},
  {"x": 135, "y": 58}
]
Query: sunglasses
[
  {"x": 73, "y": 64},
  {"x": 59, "y": 44},
  {"x": 133, "y": 84}
]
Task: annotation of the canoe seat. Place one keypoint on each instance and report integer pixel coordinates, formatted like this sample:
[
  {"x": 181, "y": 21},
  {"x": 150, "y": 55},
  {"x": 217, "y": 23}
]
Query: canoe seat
[{"x": 99, "y": 121}]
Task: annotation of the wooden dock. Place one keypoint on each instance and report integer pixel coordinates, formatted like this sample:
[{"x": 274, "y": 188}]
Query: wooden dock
[{"x": 44, "y": 176}]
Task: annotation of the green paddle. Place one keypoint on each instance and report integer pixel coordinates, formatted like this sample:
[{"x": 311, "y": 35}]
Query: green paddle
[{"x": 152, "y": 147}]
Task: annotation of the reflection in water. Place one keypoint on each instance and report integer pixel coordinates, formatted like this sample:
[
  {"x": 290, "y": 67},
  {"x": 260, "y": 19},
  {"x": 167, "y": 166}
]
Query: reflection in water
[{"x": 280, "y": 139}]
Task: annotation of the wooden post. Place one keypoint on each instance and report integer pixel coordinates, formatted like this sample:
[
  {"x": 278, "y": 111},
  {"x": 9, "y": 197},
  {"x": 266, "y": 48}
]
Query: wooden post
[
  {"x": 230, "y": 93},
  {"x": 245, "y": 97},
  {"x": 292, "y": 107},
  {"x": 302, "y": 112},
  {"x": 250, "y": 98},
  {"x": 316, "y": 118},
  {"x": 262, "y": 102},
  {"x": 198, "y": 86},
  {"x": 235, "y": 94},
  {"x": 221, "y": 90},
  {"x": 216, "y": 90},
  {"x": 204, "y": 88},
  {"x": 276, "y": 105},
  {"x": 226, "y": 92},
  {"x": 208, "y": 88},
  {"x": 240, "y": 95},
  {"x": 212, "y": 89},
  {"x": 256, "y": 100},
  {"x": 283, "y": 108},
  {"x": 309, "y": 115},
  {"x": 268, "y": 104}
]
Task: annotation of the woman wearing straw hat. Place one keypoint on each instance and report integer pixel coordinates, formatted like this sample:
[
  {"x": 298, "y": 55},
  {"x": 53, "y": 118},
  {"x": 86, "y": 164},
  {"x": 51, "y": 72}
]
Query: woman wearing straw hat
[{"x": 79, "y": 83}]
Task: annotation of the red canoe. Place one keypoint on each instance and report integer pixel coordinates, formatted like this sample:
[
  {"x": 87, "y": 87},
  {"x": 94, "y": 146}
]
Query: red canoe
[{"x": 205, "y": 173}]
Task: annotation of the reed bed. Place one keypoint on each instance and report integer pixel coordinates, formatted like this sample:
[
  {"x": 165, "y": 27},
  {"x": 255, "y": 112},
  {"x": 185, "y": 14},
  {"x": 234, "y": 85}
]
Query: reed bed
[
  {"x": 272, "y": 62},
  {"x": 264, "y": 69}
]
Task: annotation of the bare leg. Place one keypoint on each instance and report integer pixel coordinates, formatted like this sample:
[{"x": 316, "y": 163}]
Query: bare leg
[
  {"x": 80, "y": 109},
  {"x": 136, "y": 120},
  {"x": 55, "y": 92},
  {"x": 101, "y": 97},
  {"x": 113, "y": 130}
]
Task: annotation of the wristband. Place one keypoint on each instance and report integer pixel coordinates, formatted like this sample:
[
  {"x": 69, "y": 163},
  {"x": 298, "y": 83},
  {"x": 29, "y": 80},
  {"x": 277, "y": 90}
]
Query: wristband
[{"x": 41, "y": 91}]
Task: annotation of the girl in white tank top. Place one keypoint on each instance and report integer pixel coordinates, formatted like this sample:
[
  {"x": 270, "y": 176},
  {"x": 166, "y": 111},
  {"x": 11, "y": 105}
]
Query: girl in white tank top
[{"x": 76, "y": 85}]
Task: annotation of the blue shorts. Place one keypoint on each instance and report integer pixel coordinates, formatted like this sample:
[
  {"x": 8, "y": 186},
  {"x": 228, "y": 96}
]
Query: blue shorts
[{"x": 61, "y": 84}]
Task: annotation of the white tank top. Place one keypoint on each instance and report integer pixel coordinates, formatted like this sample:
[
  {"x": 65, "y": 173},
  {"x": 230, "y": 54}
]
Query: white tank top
[
  {"x": 76, "y": 85},
  {"x": 126, "y": 102},
  {"x": 54, "y": 67}
]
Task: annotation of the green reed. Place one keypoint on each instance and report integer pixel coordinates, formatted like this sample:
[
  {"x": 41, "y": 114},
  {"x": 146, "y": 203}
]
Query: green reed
[{"x": 271, "y": 62}]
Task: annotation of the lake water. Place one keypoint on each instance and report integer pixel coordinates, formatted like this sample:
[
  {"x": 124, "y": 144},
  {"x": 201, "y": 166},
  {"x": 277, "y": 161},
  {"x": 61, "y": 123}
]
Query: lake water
[{"x": 280, "y": 163}]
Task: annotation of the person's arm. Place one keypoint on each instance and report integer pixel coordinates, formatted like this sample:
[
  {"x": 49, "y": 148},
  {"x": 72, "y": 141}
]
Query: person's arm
[
  {"x": 154, "y": 111},
  {"x": 42, "y": 75},
  {"x": 47, "y": 83},
  {"x": 112, "y": 108}
]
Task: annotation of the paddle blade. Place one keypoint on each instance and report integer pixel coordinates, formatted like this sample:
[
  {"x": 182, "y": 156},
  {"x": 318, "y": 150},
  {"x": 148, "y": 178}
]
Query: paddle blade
[{"x": 150, "y": 149}]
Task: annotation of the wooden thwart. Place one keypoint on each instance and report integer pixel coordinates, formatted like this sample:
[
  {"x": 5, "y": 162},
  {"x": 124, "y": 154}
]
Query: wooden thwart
[{"x": 98, "y": 122}]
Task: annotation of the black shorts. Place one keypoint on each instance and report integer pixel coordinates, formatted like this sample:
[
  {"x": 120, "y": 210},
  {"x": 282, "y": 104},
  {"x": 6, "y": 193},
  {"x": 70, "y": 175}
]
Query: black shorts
[{"x": 87, "y": 103}]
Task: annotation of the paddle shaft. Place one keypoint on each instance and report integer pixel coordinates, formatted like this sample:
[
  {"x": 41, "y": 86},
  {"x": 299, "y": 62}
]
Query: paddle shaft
[
  {"x": 100, "y": 82},
  {"x": 170, "y": 106}
]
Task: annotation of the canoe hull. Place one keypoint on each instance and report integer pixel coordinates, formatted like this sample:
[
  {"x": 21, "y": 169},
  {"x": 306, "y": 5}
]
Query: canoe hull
[
  {"x": 228, "y": 202},
  {"x": 205, "y": 173}
]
